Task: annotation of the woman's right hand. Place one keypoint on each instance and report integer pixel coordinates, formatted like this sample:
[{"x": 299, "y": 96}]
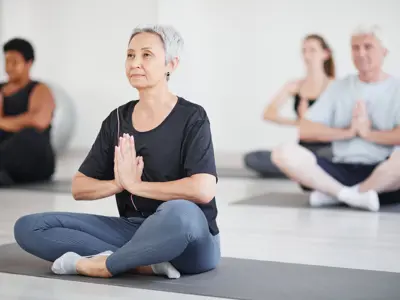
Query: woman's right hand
[
  {"x": 271, "y": 112},
  {"x": 292, "y": 86}
]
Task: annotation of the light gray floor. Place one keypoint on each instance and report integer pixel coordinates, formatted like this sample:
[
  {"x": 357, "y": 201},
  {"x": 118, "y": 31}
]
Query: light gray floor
[{"x": 317, "y": 237}]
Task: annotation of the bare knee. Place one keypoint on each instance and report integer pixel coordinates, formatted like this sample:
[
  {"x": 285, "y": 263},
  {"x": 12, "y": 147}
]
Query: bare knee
[
  {"x": 390, "y": 168},
  {"x": 291, "y": 155}
]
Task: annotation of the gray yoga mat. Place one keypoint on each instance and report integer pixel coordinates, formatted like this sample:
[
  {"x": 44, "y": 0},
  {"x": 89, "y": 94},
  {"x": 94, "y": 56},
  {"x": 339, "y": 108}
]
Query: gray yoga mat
[
  {"x": 55, "y": 186},
  {"x": 298, "y": 200},
  {"x": 238, "y": 172},
  {"x": 237, "y": 279}
]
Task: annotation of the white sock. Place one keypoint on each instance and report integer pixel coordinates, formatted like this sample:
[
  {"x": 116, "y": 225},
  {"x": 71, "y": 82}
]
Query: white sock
[
  {"x": 352, "y": 197},
  {"x": 66, "y": 264},
  {"x": 318, "y": 199},
  {"x": 167, "y": 269}
]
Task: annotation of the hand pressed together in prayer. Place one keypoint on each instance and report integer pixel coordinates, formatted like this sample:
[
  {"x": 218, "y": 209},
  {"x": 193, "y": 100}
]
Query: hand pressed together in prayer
[
  {"x": 128, "y": 168},
  {"x": 361, "y": 124}
]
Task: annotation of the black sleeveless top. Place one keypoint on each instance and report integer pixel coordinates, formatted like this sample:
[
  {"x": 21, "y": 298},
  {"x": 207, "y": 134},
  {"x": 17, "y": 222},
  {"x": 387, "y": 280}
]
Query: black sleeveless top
[
  {"x": 297, "y": 99},
  {"x": 18, "y": 103}
]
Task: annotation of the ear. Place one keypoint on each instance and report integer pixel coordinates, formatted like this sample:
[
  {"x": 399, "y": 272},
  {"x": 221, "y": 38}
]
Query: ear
[
  {"x": 29, "y": 64},
  {"x": 385, "y": 52},
  {"x": 172, "y": 65},
  {"x": 327, "y": 55}
]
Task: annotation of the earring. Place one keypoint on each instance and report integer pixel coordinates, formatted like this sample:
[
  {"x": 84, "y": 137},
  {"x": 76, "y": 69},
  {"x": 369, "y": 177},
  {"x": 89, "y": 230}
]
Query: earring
[{"x": 168, "y": 74}]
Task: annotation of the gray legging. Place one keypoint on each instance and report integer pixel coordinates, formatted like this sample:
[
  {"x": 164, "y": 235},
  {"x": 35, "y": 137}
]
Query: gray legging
[
  {"x": 260, "y": 161},
  {"x": 177, "y": 232}
]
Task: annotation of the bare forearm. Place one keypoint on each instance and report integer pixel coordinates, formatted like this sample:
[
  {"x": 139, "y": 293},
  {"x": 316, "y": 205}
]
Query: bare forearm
[
  {"x": 282, "y": 120},
  {"x": 86, "y": 188},
  {"x": 271, "y": 112},
  {"x": 316, "y": 132},
  {"x": 186, "y": 188},
  {"x": 389, "y": 138},
  {"x": 15, "y": 123}
]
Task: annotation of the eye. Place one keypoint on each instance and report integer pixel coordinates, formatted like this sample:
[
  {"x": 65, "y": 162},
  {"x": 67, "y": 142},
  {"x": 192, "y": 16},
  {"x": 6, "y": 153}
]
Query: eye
[
  {"x": 130, "y": 55},
  {"x": 147, "y": 55}
]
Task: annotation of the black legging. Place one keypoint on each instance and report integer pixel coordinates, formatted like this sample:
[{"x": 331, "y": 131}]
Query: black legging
[{"x": 26, "y": 156}]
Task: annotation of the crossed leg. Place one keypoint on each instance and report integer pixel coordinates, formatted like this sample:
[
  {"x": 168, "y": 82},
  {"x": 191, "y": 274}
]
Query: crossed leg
[
  {"x": 334, "y": 183},
  {"x": 177, "y": 235}
]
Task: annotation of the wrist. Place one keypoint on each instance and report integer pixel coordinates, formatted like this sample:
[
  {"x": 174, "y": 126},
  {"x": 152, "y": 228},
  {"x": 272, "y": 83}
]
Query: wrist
[
  {"x": 365, "y": 134},
  {"x": 117, "y": 188},
  {"x": 350, "y": 133},
  {"x": 132, "y": 187}
]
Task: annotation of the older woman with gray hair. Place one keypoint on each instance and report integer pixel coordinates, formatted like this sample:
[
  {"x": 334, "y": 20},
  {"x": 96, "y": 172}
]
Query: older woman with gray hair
[{"x": 156, "y": 156}]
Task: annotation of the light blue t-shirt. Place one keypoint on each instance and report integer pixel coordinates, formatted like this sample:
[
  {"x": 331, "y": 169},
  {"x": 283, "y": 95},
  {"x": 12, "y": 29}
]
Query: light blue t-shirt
[{"x": 335, "y": 106}]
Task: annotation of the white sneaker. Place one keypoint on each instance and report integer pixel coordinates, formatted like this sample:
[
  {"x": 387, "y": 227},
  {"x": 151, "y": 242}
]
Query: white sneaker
[{"x": 318, "y": 199}]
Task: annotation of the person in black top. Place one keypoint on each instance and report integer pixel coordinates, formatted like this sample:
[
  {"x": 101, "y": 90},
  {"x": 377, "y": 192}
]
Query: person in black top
[
  {"x": 320, "y": 68},
  {"x": 156, "y": 155},
  {"x": 26, "y": 112}
]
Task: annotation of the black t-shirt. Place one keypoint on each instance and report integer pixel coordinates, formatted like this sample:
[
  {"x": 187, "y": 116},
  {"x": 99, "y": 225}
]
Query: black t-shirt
[{"x": 179, "y": 147}]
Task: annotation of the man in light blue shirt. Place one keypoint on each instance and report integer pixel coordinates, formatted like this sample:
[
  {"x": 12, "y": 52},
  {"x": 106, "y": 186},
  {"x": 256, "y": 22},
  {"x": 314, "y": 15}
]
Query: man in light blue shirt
[{"x": 360, "y": 115}]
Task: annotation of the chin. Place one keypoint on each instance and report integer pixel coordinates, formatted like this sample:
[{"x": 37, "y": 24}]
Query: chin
[
  {"x": 364, "y": 69},
  {"x": 139, "y": 86},
  {"x": 12, "y": 79}
]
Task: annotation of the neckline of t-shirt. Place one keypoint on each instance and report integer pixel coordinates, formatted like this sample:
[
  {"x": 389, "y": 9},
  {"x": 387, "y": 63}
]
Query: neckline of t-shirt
[
  {"x": 384, "y": 81},
  {"x": 157, "y": 127}
]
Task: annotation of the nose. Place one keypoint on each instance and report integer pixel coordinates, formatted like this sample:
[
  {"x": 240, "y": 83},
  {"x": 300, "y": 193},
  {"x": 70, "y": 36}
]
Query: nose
[
  {"x": 362, "y": 52},
  {"x": 135, "y": 62}
]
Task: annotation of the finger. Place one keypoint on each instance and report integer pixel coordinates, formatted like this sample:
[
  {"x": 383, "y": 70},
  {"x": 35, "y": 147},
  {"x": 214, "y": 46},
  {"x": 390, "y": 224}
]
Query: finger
[
  {"x": 121, "y": 144},
  {"x": 140, "y": 166},
  {"x": 118, "y": 154},
  {"x": 141, "y": 163},
  {"x": 115, "y": 162},
  {"x": 126, "y": 149}
]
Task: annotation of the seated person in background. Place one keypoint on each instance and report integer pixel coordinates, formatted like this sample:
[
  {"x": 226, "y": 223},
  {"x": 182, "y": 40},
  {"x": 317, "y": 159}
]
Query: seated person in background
[
  {"x": 320, "y": 67},
  {"x": 26, "y": 110},
  {"x": 360, "y": 115},
  {"x": 156, "y": 155}
]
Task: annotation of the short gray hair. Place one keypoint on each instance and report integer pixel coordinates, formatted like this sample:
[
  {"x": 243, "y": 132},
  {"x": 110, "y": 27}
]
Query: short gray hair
[
  {"x": 172, "y": 40},
  {"x": 374, "y": 30}
]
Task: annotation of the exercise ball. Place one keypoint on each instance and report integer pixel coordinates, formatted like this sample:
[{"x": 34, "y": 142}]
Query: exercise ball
[{"x": 64, "y": 119}]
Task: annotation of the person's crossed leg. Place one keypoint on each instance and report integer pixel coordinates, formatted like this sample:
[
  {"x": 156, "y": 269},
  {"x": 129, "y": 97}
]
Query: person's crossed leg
[
  {"x": 361, "y": 186},
  {"x": 174, "y": 240}
]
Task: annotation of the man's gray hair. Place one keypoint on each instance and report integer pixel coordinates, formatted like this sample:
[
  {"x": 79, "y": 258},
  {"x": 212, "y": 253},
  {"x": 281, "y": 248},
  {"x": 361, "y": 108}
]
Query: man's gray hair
[
  {"x": 172, "y": 40},
  {"x": 374, "y": 30}
]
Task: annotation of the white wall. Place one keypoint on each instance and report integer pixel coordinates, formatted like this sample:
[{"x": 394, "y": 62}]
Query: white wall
[
  {"x": 238, "y": 53},
  {"x": 81, "y": 46}
]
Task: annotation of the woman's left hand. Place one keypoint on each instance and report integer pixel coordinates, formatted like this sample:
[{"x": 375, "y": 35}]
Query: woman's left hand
[{"x": 127, "y": 164}]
